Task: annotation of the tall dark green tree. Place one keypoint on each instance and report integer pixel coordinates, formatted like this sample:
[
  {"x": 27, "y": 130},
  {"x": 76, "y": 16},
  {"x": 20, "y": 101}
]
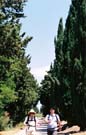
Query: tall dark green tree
[
  {"x": 70, "y": 67},
  {"x": 73, "y": 60},
  {"x": 73, "y": 67},
  {"x": 58, "y": 64},
  {"x": 15, "y": 76},
  {"x": 8, "y": 48},
  {"x": 47, "y": 91},
  {"x": 54, "y": 75}
]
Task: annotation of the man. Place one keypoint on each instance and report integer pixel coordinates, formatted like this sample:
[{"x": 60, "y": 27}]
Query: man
[
  {"x": 53, "y": 121},
  {"x": 30, "y": 123}
]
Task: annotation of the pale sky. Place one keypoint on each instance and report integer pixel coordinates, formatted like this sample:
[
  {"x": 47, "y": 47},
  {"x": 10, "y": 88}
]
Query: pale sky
[{"x": 41, "y": 23}]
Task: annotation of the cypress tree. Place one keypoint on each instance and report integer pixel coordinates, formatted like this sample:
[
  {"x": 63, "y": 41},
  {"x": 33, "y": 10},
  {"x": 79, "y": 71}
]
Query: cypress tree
[
  {"x": 15, "y": 76},
  {"x": 70, "y": 66},
  {"x": 74, "y": 60},
  {"x": 50, "y": 90}
]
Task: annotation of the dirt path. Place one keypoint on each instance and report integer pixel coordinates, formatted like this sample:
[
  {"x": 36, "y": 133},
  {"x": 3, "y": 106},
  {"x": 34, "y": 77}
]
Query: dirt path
[
  {"x": 11, "y": 132},
  {"x": 14, "y": 131},
  {"x": 41, "y": 130}
]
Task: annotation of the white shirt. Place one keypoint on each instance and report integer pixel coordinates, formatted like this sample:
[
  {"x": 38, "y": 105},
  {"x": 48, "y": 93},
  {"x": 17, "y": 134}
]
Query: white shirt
[
  {"x": 31, "y": 121},
  {"x": 53, "y": 120}
]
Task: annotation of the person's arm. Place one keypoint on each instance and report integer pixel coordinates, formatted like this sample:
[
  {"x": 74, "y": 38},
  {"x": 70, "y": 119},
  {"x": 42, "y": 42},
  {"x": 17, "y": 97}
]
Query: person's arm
[
  {"x": 46, "y": 119},
  {"x": 59, "y": 123},
  {"x": 25, "y": 121}
]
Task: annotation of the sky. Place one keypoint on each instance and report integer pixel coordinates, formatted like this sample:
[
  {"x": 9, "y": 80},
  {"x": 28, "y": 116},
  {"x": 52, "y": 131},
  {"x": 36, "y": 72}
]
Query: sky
[{"x": 41, "y": 22}]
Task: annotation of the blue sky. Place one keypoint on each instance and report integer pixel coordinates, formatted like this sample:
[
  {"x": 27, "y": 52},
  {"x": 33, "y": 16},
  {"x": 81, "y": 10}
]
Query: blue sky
[{"x": 41, "y": 23}]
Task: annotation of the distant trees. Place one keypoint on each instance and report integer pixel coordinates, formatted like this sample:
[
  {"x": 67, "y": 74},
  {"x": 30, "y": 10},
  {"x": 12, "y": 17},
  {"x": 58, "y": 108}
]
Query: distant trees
[
  {"x": 69, "y": 68},
  {"x": 52, "y": 81},
  {"x": 18, "y": 87}
]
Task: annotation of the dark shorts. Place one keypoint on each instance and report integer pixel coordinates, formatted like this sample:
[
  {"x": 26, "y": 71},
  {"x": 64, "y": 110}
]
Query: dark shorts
[{"x": 51, "y": 132}]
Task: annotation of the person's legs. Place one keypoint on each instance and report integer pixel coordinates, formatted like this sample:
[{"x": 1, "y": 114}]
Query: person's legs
[
  {"x": 27, "y": 130},
  {"x": 32, "y": 131},
  {"x": 54, "y": 133},
  {"x": 49, "y": 132}
]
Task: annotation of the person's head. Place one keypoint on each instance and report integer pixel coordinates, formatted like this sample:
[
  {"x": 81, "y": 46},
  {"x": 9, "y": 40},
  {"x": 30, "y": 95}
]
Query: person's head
[
  {"x": 31, "y": 112},
  {"x": 52, "y": 110}
]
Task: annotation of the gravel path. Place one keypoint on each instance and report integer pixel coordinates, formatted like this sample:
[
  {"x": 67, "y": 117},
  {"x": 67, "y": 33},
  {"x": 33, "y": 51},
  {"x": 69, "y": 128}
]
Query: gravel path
[{"x": 41, "y": 130}]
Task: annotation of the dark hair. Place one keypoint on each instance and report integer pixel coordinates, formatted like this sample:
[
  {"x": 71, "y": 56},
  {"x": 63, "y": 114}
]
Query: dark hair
[{"x": 52, "y": 108}]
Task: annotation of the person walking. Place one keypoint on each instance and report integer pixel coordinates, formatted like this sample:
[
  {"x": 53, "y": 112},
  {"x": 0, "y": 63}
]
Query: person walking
[
  {"x": 30, "y": 123},
  {"x": 53, "y": 121}
]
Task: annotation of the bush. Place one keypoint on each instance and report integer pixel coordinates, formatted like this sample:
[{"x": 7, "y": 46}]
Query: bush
[{"x": 5, "y": 123}]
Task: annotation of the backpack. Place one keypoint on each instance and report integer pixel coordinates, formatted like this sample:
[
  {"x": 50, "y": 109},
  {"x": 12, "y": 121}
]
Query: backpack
[{"x": 30, "y": 120}]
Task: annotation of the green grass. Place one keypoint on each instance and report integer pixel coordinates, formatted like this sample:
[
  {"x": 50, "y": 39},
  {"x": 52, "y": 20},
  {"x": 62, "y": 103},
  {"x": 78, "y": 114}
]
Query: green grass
[{"x": 39, "y": 115}]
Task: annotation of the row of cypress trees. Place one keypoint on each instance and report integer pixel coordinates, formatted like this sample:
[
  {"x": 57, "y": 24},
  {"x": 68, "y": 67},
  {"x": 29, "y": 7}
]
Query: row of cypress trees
[
  {"x": 64, "y": 87},
  {"x": 18, "y": 87}
]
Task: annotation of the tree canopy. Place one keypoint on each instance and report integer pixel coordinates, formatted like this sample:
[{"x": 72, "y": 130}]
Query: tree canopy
[
  {"x": 18, "y": 87},
  {"x": 68, "y": 74}
]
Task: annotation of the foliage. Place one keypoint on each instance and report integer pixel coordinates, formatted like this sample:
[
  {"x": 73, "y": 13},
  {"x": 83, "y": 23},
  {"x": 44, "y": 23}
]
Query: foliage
[
  {"x": 4, "y": 122},
  {"x": 51, "y": 83},
  {"x": 69, "y": 68},
  {"x": 18, "y": 87}
]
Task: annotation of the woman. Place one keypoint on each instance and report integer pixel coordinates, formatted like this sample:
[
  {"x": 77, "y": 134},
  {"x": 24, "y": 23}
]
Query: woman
[{"x": 30, "y": 123}]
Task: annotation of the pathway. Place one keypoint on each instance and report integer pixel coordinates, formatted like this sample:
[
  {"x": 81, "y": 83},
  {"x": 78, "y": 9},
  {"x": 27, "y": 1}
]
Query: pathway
[{"x": 41, "y": 130}]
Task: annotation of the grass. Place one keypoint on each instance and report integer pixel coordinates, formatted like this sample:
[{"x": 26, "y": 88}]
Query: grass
[
  {"x": 10, "y": 132},
  {"x": 39, "y": 115},
  {"x": 13, "y": 130}
]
